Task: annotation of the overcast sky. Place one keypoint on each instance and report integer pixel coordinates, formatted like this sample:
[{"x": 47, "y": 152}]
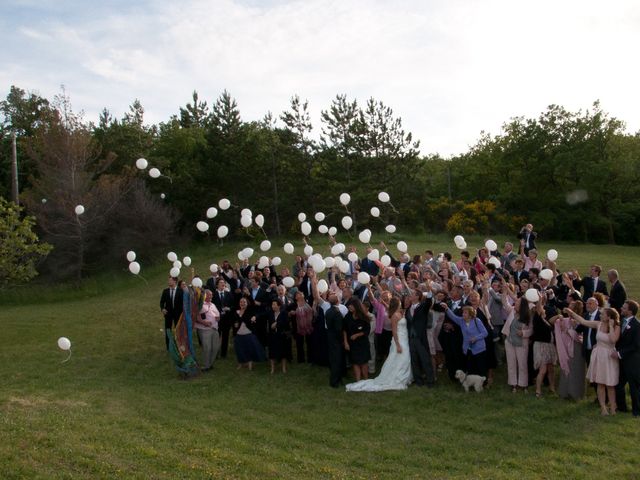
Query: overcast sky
[{"x": 449, "y": 68}]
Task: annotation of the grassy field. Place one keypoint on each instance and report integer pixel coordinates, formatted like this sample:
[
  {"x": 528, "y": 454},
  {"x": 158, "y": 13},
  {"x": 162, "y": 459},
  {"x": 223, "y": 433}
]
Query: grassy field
[{"x": 117, "y": 408}]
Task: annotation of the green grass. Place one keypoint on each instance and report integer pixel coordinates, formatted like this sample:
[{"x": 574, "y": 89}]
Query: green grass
[{"x": 117, "y": 409}]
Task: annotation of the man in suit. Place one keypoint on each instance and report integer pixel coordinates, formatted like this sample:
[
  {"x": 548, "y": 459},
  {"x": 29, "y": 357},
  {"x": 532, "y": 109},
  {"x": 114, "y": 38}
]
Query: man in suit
[
  {"x": 519, "y": 273},
  {"x": 369, "y": 266},
  {"x": 223, "y": 300},
  {"x": 628, "y": 351},
  {"x": 618, "y": 294},
  {"x": 306, "y": 285},
  {"x": 527, "y": 238},
  {"x": 508, "y": 256},
  {"x": 171, "y": 306},
  {"x": 417, "y": 323},
  {"x": 593, "y": 284},
  {"x": 333, "y": 319},
  {"x": 451, "y": 336},
  {"x": 589, "y": 334}
]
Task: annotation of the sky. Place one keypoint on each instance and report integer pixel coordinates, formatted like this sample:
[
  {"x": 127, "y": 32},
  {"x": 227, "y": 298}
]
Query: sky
[{"x": 450, "y": 69}]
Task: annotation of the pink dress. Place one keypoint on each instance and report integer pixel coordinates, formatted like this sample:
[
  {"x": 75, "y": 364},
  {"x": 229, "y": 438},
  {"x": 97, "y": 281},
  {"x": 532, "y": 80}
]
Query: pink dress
[{"x": 603, "y": 368}]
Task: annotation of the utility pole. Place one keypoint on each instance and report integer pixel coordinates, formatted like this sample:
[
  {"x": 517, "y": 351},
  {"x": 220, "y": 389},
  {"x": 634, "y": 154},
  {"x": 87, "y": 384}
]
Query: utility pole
[{"x": 14, "y": 169}]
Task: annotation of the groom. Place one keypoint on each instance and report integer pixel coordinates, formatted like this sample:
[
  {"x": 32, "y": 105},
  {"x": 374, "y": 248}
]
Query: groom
[
  {"x": 333, "y": 322},
  {"x": 417, "y": 323}
]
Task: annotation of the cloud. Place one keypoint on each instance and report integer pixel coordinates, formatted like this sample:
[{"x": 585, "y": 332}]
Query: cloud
[{"x": 449, "y": 69}]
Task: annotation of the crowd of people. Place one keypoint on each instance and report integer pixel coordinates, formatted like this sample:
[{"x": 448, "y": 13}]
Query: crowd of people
[{"x": 418, "y": 320}]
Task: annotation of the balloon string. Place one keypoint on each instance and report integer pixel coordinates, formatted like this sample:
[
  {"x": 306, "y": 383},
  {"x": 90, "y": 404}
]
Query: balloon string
[
  {"x": 67, "y": 357},
  {"x": 145, "y": 280},
  {"x": 247, "y": 229},
  {"x": 347, "y": 209},
  {"x": 167, "y": 176},
  {"x": 264, "y": 233},
  {"x": 394, "y": 208}
]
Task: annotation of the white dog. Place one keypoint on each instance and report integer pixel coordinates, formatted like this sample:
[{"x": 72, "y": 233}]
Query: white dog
[{"x": 467, "y": 381}]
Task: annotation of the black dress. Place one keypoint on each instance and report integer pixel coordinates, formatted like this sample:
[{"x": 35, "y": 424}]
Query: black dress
[
  {"x": 280, "y": 336},
  {"x": 359, "y": 351},
  {"x": 247, "y": 347}
]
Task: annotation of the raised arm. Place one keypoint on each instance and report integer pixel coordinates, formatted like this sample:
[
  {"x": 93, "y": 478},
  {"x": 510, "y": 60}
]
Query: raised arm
[{"x": 580, "y": 320}]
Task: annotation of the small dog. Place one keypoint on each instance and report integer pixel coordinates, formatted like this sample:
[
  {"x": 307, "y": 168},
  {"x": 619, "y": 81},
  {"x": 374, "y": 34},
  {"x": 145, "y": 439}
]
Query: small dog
[{"x": 467, "y": 381}]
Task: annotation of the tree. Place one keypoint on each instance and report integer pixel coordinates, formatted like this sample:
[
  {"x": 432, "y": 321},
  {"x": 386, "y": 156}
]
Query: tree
[
  {"x": 196, "y": 114},
  {"x": 20, "y": 248}
]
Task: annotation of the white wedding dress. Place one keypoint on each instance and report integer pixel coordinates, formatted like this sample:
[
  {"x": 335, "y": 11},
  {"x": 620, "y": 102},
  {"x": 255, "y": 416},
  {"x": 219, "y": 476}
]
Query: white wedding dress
[{"x": 396, "y": 371}]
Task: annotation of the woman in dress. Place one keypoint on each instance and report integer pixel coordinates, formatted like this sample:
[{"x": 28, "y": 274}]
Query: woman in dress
[
  {"x": 473, "y": 334},
  {"x": 207, "y": 328},
  {"x": 245, "y": 343},
  {"x": 544, "y": 348},
  {"x": 356, "y": 338},
  {"x": 569, "y": 347},
  {"x": 396, "y": 371},
  {"x": 303, "y": 314},
  {"x": 279, "y": 336},
  {"x": 604, "y": 367},
  {"x": 482, "y": 313}
]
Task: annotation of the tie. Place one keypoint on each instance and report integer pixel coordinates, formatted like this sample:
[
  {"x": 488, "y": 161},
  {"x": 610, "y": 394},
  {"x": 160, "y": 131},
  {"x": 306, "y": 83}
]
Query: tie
[{"x": 173, "y": 294}]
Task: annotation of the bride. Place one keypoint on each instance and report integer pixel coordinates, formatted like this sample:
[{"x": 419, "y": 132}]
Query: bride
[{"x": 396, "y": 371}]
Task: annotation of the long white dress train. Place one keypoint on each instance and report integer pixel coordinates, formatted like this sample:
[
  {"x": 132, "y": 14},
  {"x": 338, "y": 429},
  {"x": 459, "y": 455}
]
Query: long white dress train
[{"x": 396, "y": 371}]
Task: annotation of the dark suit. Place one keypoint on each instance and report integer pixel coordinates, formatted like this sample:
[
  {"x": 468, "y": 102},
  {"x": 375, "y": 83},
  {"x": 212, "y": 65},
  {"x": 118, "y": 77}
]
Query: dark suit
[
  {"x": 264, "y": 298},
  {"x": 618, "y": 295},
  {"x": 588, "y": 332},
  {"x": 628, "y": 348},
  {"x": 451, "y": 340},
  {"x": 588, "y": 288},
  {"x": 224, "y": 300},
  {"x": 369, "y": 266},
  {"x": 417, "y": 324},
  {"x": 173, "y": 308},
  {"x": 520, "y": 275},
  {"x": 529, "y": 240},
  {"x": 306, "y": 289},
  {"x": 333, "y": 320}
]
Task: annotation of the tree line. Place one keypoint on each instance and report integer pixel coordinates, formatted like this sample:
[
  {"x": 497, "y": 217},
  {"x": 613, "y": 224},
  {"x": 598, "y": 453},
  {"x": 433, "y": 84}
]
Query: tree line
[{"x": 574, "y": 175}]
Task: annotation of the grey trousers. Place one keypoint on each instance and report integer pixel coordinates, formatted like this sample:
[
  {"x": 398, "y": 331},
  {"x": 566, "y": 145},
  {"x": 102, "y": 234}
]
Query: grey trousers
[{"x": 210, "y": 340}]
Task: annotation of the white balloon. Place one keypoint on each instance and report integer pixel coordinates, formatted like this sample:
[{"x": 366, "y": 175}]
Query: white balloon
[
  {"x": 308, "y": 250},
  {"x": 172, "y": 257},
  {"x": 384, "y": 197},
  {"x": 154, "y": 173},
  {"x": 245, "y": 212},
  {"x": 134, "y": 267},
  {"x": 196, "y": 282},
  {"x": 247, "y": 252},
  {"x": 288, "y": 248},
  {"x": 263, "y": 262},
  {"x": 306, "y": 228},
  {"x": 259, "y": 220},
  {"x": 364, "y": 278},
  {"x": 373, "y": 255},
  {"x": 546, "y": 274},
  {"x": 131, "y": 255},
  {"x": 213, "y": 268},
  {"x": 224, "y": 204},
  {"x": 347, "y": 222},
  {"x": 288, "y": 282},
  {"x": 385, "y": 260},
  {"x": 495, "y": 261},
  {"x": 245, "y": 221},
  {"x": 212, "y": 212},
  {"x": 222, "y": 231},
  {"x": 458, "y": 239},
  {"x": 142, "y": 163},
  {"x": 319, "y": 217},
  {"x": 265, "y": 245},
  {"x": 402, "y": 247},
  {"x": 44, "y": 200},
  {"x": 64, "y": 343},
  {"x": 323, "y": 286},
  {"x": 186, "y": 261},
  {"x": 202, "y": 226},
  {"x": 177, "y": 264},
  {"x": 491, "y": 245},
  {"x": 162, "y": 196},
  {"x": 174, "y": 272},
  {"x": 353, "y": 257},
  {"x": 345, "y": 198},
  {"x": 552, "y": 255},
  {"x": 301, "y": 217},
  {"x": 323, "y": 229},
  {"x": 532, "y": 295},
  {"x": 241, "y": 256},
  {"x": 329, "y": 262},
  {"x": 275, "y": 261},
  {"x": 333, "y": 231},
  {"x": 462, "y": 245},
  {"x": 344, "y": 266},
  {"x": 79, "y": 210},
  {"x": 320, "y": 266},
  {"x": 364, "y": 236},
  {"x": 375, "y": 212},
  {"x": 390, "y": 228}
]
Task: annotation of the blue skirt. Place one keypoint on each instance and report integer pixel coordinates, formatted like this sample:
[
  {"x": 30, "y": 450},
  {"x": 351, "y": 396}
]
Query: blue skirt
[{"x": 248, "y": 348}]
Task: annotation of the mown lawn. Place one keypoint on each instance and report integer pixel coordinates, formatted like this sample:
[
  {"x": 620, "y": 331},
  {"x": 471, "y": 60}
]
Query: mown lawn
[{"x": 117, "y": 408}]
